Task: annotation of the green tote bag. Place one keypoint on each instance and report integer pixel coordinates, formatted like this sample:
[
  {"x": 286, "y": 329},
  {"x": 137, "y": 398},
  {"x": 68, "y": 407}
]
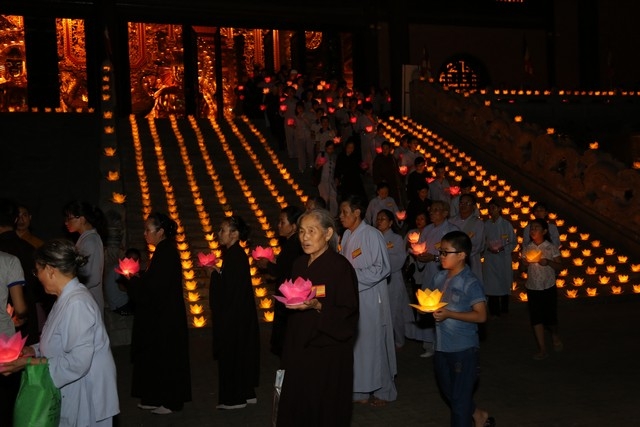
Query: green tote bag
[{"x": 38, "y": 401}]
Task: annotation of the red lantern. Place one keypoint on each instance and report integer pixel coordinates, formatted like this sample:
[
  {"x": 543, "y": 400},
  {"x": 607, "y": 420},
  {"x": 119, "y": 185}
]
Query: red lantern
[
  {"x": 291, "y": 121},
  {"x": 283, "y": 107},
  {"x": 329, "y": 100},
  {"x": 353, "y": 119},
  {"x": 331, "y": 110},
  {"x": 403, "y": 170},
  {"x": 369, "y": 129}
]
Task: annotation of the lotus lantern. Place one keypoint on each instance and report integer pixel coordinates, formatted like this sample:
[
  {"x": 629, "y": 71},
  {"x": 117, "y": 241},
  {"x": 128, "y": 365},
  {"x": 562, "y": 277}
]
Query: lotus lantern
[
  {"x": 321, "y": 160},
  {"x": 206, "y": 260},
  {"x": 296, "y": 292},
  {"x": 259, "y": 252},
  {"x": 428, "y": 300},
  {"x": 533, "y": 255},
  {"x": 128, "y": 267},
  {"x": 403, "y": 170},
  {"x": 10, "y": 347},
  {"x": 418, "y": 248},
  {"x": 401, "y": 215},
  {"x": 413, "y": 237},
  {"x": 454, "y": 190}
]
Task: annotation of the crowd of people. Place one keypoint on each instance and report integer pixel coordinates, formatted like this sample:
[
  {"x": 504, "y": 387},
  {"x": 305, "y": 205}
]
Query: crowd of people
[{"x": 384, "y": 226}]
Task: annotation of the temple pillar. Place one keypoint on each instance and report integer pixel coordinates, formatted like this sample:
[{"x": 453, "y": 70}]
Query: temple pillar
[{"x": 43, "y": 89}]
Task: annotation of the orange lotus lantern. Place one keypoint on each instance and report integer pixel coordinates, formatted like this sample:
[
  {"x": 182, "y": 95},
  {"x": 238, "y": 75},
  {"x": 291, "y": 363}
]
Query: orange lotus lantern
[
  {"x": 128, "y": 267},
  {"x": 572, "y": 293},
  {"x": 616, "y": 290},
  {"x": 118, "y": 198},
  {"x": 591, "y": 270},
  {"x": 428, "y": 300},
  {"x": 418, "y": 248},
  {"x": 196, "y": 309},
  {"x": 609, "y": 251},
  {"x": 636, "y": 289},
  {"x": 206, "y": 260},
  {"x": 523, "y": 297},
  {"x": 603, "y": 280},
  {"x": 578, "y": 281},
  {"x": 10, "y": 347},
  {"x": 622, "y": 259},
  {"x": 190, "y": 285},
  {"x": 193, "y": 296},
  {"x": 560, "y": 283},
  {"x": 413, "y": 237},
  {"x": 592, "y": 292},
  {"x": 266, "y": 303},
  {"x": 623, "y": 278},
  {"x": 268, "y": 316},
  {"x": 635, "y": 268},
  {"x": 533, "y": 255},
  {"x": 199, "y": 322},
  {"x": 109, "y": 151}
]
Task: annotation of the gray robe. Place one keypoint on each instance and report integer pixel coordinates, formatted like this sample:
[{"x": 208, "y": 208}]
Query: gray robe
[{"x": 374, "y": 352}]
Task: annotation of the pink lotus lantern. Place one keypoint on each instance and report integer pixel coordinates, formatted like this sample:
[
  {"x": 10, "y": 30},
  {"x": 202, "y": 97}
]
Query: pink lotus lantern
[
  {"x": 403, "y": 170},
  {"x": 267, "y": 79},
  {"x": 296, "y": 292},
  {"x": 336, "y": 140},
  {"x": 259, "y": 252},
  {"x": 413, "y": 237},
  {"x": 128, "y": 267},
  {"x": 206, "y": 260},
  {"x": 430, "y": 180},
  {"x": 418, "y": 248},
  {"x": 369, "y": 128},
  {"x": 329, "y": 100},
  {"x": 321, "y": 160},
  {"x": 401, "y": 215},
  {"x": 263, "y": 107},
  {"x": 291, "y": 122},
  {"x": 378, "y": 150},
  {"x": 10, "y": 347},
  {"x": 454, "y": 190},
  {"x": 353, "y": 120},
  {"x": 332, "y": 109},
  {"x": 283, "y": 107}
]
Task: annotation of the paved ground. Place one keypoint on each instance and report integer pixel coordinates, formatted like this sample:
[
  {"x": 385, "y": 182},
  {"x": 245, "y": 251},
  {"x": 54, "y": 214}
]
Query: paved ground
[{"x": 593, "y": 382}]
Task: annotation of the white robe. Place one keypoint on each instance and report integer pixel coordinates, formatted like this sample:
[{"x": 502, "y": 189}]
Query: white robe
[
  {"x": 76, "y": 344},
  {"x": 497, "y": 270},
  {"x": 374, "y": 350}
]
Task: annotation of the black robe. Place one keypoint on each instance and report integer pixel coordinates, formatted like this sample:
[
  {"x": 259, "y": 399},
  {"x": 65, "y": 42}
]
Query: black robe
[
  {"x": 236, "y": 336},
  {"x": 160, "y": 335},
  {"x": 318, "y": 351},
  {"x": 349, "y": 175}
]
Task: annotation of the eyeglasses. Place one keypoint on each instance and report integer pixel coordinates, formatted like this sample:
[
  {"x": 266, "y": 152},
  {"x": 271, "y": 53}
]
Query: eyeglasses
[{"x": 444, "y": 254}]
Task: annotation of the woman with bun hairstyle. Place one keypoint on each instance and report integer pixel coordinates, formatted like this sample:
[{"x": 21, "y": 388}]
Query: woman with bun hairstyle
[{"x": 160, "y": 337}]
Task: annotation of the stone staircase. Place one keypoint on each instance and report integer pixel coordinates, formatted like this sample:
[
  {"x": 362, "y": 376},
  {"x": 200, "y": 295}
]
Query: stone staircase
[{"x": 245, "y": 176}]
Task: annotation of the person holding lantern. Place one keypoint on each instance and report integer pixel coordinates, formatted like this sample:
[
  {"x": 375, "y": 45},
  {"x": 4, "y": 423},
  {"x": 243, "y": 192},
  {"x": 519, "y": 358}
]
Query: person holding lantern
[
  {"x": 401, "y": 313},
  {"x": 349, "y": 172},
  {"x": 439, "y": 187},
  {"x": 428, "y": 264},
  {"x": 497, "y": 272},
  {"x": 542, "y": 259},
  {"x": 540, "y": 211},
  {"x": 456, "y": 358},
  {"x": 236, "y": 339},
  {"x": 12, "y": 282},
  {"x": 280, "y": 270},
  {"x": 74, "y": 343},
  {"x": 160, "y": 337},
  {"x": 326, "y": 165},
  {"x": 318, "y": 351}
]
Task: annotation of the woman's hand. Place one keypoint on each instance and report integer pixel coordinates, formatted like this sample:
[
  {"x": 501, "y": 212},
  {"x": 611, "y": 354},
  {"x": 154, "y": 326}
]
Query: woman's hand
[
  {"x": 312, "y": 304},
  {"x": 17, "y": 365},
  {"x": 441, "y": 314}
]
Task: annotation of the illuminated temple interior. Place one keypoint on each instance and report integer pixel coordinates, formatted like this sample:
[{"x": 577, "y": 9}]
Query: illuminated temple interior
[{"x": 156, "y": 64}]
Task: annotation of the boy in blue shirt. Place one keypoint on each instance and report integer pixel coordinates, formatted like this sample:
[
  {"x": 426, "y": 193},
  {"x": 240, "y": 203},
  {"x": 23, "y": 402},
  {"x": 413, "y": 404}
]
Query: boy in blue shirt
[{"x": 457, "y": 343}]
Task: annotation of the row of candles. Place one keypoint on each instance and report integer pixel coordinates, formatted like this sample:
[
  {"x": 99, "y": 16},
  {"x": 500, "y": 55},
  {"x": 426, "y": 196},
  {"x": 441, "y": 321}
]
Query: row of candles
[
  {"x": 603, "y": 266},
  {"x": 194, "y": 285}
]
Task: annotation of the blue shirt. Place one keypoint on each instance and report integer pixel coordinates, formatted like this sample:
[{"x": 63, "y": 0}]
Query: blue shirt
[{"x": 461, "y": 293}]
